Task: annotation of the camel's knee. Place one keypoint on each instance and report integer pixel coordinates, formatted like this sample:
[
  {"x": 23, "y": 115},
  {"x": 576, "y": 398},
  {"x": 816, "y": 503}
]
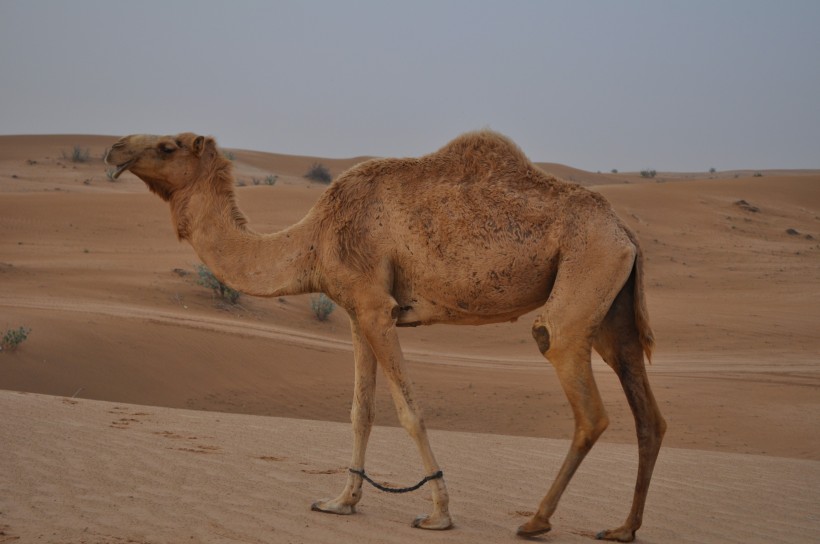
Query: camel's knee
[
  {"x": 652, "y": 432},
  {"x": 362, "y": 414},
  {"x": 554, "y": 342},
  {"x": 559, "y": 342},
  {"x": 599, "y": 426},
  {"x": 661, "y": 427},
  {"x": 588, "y": 432},
  {"x": 542, "y": 336},
  {"x": 412, "y": 422}
]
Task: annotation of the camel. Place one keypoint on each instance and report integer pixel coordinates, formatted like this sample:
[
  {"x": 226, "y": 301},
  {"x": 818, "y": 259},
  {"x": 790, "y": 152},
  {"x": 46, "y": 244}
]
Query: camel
[{"x": 473, "y": 233}]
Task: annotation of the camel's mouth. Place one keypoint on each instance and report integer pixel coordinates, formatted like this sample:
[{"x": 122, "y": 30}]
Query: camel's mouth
[{"x": 122, "y": 168}]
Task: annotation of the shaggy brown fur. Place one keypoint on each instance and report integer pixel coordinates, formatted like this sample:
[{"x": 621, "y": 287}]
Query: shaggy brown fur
[{"x": 473, "y": 233}]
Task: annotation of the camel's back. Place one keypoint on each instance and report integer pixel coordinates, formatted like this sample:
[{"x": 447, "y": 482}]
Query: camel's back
[
  {"x": 479, "y": 174},
  {"x": 476, "y": 215}
]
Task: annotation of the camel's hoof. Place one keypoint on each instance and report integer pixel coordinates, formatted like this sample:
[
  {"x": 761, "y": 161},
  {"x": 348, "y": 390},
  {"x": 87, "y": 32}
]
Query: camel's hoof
[
  {"x": 436, "y": 522},
  {"x": 618, "y": 535},
  {"x": 333, "y": 507},
  {"x": 533, "y": 528}
]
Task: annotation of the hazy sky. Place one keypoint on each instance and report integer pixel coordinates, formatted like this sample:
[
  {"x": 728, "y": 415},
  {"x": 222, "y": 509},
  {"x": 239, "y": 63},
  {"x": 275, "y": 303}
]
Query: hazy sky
[{"x": 685, "y": 85}]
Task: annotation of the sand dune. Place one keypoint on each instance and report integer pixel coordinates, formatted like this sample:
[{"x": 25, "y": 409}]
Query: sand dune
[
  {"x": 97, "y": 472},
  {"x": 94, "y": 269}
]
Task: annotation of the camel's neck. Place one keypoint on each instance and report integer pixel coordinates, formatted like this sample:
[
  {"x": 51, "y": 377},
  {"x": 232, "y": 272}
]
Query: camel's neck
[{"x": 276, "y": 264}]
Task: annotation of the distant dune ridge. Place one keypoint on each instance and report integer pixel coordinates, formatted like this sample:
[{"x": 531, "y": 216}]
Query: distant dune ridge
[{"x": 88, "y": 264}]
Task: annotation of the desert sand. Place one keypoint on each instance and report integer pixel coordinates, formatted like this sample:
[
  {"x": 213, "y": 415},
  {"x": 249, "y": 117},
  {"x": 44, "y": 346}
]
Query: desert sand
[{"x": 155, "y": 413}]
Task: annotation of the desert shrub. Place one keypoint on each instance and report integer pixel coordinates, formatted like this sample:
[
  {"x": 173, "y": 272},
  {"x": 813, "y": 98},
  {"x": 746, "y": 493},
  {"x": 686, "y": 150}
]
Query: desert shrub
[
  {"x": 13, "y": 338},
  {"x": 319, "y": 172},
  {"x": 322, "y": 306},
  {"x": 207, "y": 279},
  {"x": 269, "y": 180},
  {"x": 758, "y": 175},
  {"x": 77, "y": 154},
  {"x": 648, "y": 173},
  {"x": 229, "y": 155},
  {"x": 614, "y": 170}
]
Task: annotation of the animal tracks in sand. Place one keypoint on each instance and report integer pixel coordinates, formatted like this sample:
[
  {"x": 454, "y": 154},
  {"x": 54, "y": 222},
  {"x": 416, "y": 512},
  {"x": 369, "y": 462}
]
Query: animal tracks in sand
[
  {"x": 123, "y": 422},
  {"x": 314, "y": 472},
  {"x": 199, "y": 449},
  {"x": 272, "y": 458},
  {"x": 5, "y": 534},
  {"x": 128, "y": 418},
  {"x": 189, "y": 447}
]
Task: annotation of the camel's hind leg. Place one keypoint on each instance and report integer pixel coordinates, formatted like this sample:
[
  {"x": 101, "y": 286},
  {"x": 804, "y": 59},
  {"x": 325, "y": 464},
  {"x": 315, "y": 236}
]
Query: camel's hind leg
[
  {"x": 581, "y": 296},
  {"x": 618, "y": 343}
]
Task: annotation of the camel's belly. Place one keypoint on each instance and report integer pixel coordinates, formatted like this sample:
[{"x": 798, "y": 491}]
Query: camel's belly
[
  {"x": 424, "y": 313},
  {"x": 473, "y": 299}
]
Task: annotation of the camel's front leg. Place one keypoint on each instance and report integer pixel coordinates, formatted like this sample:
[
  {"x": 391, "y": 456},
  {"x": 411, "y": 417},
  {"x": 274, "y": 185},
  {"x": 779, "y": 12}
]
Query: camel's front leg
[
  {"x": 362, "y": 417},
  {"x": 379, "y": 327}
]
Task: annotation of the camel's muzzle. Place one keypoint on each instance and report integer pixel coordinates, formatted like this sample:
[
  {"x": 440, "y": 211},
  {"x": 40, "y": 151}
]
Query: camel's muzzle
[{"x": 121, "y": 167}]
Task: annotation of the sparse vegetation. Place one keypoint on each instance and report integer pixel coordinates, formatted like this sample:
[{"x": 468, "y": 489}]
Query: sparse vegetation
[
  {"x": 207, "y": 279},
  {"x": 78, "y": 154},
  {"x": 229, "y": 155},
  {"x": 322, "y": 306},
  {"x": 712, "y": 170},
  {"x": 319, "y": 173},
  {"x": 269, "y": 180},
  {"x": 13, "y": 338},
  {"x": 614, "y": 170},
  {"x": 648, "y": 173},
  {"x": 743, "y": 205},
  {"x": 758, "y": 175}
]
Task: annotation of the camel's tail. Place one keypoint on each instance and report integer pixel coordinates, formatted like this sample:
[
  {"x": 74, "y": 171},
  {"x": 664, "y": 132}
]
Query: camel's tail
[{"x": 645, "y": 334}]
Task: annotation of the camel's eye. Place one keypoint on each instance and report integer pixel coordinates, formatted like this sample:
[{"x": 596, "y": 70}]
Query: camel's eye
[{"x": 167, "y": 148}]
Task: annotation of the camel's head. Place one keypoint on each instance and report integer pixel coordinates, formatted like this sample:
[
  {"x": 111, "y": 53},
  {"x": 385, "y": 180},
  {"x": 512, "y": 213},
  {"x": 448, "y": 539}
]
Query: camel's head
[{"x": 164, "y": 163}]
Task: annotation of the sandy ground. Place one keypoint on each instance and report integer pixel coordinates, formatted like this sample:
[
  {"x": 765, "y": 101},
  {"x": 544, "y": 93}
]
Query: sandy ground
[
  {"x": 94, "y": 269},
  {"x": 98, "y": 472}
]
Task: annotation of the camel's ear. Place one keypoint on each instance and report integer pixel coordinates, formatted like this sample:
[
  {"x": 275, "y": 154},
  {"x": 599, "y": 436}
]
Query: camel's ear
[{"x": 198, "y": 146}]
